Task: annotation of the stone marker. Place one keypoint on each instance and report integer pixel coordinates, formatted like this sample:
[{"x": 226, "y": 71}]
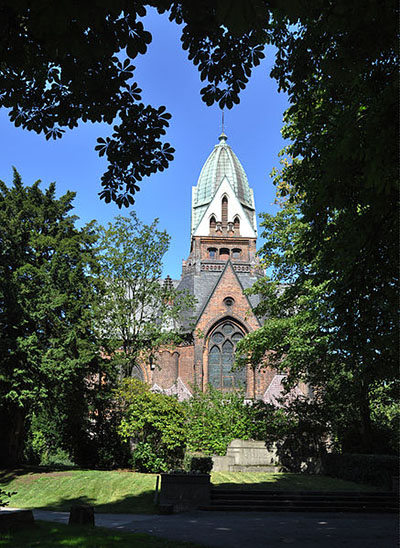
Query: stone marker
[
  {"x": 81, "y": 514},
  {"x": 14, "y": 519}
]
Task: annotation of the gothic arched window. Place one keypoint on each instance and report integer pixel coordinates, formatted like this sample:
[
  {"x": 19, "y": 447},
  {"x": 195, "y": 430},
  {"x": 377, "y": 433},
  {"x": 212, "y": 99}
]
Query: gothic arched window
[
  {"x": 137, "y": 373},
  {"x": 236, "y": 224},
  {"x": 222, "y": 345},
  {"x": 224, "y": 211},
  {"x": 213, "y": 223}
]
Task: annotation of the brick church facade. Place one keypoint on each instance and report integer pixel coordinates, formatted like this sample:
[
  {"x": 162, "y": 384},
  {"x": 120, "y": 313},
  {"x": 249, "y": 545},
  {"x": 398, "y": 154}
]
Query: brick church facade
[{"x": 222, "y": 263}]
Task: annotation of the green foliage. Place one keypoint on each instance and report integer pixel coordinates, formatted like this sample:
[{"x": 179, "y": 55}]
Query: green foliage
[
  {"x": 214, "y": 419},
  {"x": 298, "y": 431},
  {"x": 156, "y": 425},
  {"x": 337, "y": 63},
  {"x": 45, "y": 440},
  {"x": 346, "y": 192},
  {"x": 66, "y": 65},
  {"x": 47, "y": 345},
  {"x": 316, "y": 330},
  {"x": 201, "y": 464},
  {"x": 139, "y": 313},
  {"x": 375, "y": 470}
]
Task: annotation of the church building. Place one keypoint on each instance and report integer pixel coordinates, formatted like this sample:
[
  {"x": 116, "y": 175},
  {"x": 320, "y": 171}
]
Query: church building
[{"x": 221, "y": 265}]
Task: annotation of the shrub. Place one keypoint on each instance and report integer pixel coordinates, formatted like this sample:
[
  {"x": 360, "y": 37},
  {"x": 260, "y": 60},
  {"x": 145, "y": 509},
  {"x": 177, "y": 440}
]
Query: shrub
[
  {"x": 155, "y": 423},
  {"x": 57, "y": 458},
  {"x": 376, "y": 470},
  {"x": 215, "y": 418},
  {"x": 197, "y": 463},
  {"x": 201, "y": 464}
]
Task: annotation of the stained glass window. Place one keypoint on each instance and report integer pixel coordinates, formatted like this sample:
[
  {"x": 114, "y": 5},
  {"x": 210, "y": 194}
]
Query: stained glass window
[{"x": 221, "y": 358}]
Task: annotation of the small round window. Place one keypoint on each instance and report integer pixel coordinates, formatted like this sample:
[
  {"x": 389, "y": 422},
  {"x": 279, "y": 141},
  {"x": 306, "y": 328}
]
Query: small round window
[{"x": 228, "y": 301}]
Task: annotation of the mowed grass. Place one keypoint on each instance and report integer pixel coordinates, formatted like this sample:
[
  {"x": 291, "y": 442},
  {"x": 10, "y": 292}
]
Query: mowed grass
[
  {"x": 131, "y": 492},
  {"x": 51, "y": 535},
  {"x": 109, "y": 491},
  {"x": 284, "y": 482}
]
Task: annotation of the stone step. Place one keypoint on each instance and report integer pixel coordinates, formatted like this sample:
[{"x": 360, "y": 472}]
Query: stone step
[
  {"x": 294, "y": 502},
  {"x": 303, "y": 497},
  {"x": 231, "y": 491},
  {"x": 302, "y": 501},
  {"x": 300, "y": 508}
]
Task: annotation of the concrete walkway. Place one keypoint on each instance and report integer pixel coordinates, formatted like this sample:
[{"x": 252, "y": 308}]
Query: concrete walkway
[{"x": 255, "y": 529}]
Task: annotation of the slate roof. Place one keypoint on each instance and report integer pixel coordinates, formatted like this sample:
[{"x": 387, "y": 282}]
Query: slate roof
[{"x": 202, "y": 285}]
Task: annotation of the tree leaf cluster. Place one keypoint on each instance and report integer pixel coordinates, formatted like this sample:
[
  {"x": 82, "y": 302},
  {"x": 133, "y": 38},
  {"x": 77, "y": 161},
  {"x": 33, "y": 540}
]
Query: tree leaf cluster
[
  {"x": 154, "y": 423},
  {"x": 215, "y": 418}
]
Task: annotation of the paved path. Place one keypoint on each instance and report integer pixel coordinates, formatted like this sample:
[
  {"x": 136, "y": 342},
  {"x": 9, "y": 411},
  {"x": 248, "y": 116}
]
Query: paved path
[{"x": 255, "y": 529}]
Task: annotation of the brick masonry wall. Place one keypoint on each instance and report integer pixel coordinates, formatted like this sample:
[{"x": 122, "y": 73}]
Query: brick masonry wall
[{"x": 190, "y": 362}]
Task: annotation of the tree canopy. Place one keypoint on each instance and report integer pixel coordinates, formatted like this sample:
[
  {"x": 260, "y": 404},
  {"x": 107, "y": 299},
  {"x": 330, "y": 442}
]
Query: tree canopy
[
  {"x": 47, "y": 344},
  {"x": 336, "y": 60},
  {"x": 139, "y": 312}
]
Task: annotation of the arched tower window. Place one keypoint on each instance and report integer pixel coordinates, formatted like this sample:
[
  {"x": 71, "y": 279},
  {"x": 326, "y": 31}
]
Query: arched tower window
[
  {"x": 213, "y": 223},
  {"x": 236, "y": 253},
  {"x": 224, "y": 207},
  {"x": 221, "y": 355},
  {"x": 224, "y": 254},
  {"x": 236, "y": 224}
]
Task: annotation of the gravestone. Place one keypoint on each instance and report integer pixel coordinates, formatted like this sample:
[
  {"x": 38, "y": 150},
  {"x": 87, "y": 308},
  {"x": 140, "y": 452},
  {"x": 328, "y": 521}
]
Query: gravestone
[{"x": 81, "y": 514}]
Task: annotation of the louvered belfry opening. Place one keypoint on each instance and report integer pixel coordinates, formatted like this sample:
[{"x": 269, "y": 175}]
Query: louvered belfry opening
[{"x": 213, "y": 224}]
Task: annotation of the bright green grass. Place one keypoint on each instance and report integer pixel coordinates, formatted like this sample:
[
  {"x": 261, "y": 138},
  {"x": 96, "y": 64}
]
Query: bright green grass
[
  {"x": 112, "y": 491},
  {"x": 51, "y": 535},
  {"x": 131, "y": 492}
]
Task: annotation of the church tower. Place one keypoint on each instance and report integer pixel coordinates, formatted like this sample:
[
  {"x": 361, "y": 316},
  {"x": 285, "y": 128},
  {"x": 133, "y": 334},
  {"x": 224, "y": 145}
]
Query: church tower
[
  {"x": 222, "y": 263},
  {"x": 223, "y": 220}
]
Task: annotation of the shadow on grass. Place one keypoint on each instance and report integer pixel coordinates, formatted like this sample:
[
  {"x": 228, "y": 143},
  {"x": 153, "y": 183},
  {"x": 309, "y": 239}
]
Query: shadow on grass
[
  {"x": 131, "y": 504},
  {"x": 10, "y": 474},
  {"x": 297, "y": 482}
]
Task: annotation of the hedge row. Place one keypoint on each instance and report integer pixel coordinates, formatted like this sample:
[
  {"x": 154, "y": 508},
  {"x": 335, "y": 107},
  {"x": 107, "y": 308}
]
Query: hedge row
[{"x": 376, "y": 470}]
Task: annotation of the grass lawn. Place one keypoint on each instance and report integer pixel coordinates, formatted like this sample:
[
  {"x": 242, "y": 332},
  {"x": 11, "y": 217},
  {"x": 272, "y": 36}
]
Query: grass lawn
[
  {"x": 51, "y": 535},
  {"x": 109, "y": 491},
  {"x": 284, "y": 482},
  {"x": 130, "y": 492}
]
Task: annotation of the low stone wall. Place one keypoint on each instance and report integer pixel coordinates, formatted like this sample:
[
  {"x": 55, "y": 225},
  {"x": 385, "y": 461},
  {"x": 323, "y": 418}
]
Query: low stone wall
[
  {"x": 247, "y": 456},
  {"x": 185, "y": 491}
]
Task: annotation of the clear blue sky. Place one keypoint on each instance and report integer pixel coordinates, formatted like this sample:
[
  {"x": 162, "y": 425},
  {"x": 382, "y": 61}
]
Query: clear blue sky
[{"x": 166, "y": 78}]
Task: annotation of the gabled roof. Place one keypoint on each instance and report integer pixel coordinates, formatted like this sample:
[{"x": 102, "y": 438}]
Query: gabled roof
[{"x": 219, "y": 281}]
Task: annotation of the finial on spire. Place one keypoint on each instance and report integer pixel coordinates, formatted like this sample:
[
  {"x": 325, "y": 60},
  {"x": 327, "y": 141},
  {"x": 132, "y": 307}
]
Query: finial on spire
[{"x": 222, "y": 138}]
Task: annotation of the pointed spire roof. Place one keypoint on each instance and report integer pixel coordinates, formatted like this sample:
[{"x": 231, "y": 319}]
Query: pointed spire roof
[{"x": 221, "y": 163}]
